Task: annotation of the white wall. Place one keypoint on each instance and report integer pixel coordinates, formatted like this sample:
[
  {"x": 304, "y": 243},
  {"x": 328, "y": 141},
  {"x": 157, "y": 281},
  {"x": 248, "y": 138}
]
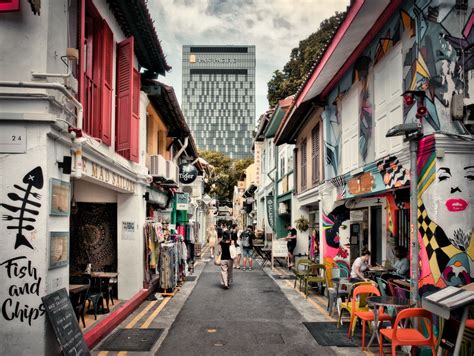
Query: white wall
[{"x": 130, "y": 255}]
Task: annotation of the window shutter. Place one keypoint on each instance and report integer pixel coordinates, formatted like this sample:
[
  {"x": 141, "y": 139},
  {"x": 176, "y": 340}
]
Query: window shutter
[
  {"x": 106, "y": 83},
  {"x": 124, "y": 96},
  {"x": 304, "y": 159},
  {"x": 315, "y": 153},
  {"x": 135, "y": 124}
]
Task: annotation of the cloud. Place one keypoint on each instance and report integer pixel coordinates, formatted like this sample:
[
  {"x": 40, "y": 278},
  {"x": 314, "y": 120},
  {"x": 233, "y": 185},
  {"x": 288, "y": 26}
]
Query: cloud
[{"x": 273, "y": 26}]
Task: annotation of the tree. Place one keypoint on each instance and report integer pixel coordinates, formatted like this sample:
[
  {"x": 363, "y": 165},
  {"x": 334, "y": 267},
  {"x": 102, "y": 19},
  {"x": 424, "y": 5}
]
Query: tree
[
  {"x": 224, "y": 176},
  {"x": 285, "y": 83}
]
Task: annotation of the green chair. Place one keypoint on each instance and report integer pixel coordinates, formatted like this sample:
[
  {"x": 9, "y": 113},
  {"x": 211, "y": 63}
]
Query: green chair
[
  {"x": 315, "y": 275},
  {"x": 301, "y": 269}
]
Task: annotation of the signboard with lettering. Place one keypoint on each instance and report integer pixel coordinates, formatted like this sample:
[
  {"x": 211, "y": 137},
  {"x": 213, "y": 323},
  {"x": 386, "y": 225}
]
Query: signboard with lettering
[
  {"x": 270, "y": 211},
  {"x": 187, "y": 173},
  {"x": 128, "y": 230},
  {"x": 63, "y": 320},
  {"x": 105, "y": 176},
  {"x": 182, "y": 201},
  {"x": 279, "y": 248}
]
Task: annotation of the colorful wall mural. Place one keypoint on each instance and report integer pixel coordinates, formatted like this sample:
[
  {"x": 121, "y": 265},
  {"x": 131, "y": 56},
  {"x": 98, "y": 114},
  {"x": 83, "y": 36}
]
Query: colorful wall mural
[
  {"x": 436, "y": 41},
  {"x": 445, "y": 216},
  {"x": 335, "y": 235}
]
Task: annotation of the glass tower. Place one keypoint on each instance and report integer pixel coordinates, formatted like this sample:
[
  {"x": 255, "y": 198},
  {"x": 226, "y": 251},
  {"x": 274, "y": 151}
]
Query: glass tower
[{"x": 219, "y": 97}]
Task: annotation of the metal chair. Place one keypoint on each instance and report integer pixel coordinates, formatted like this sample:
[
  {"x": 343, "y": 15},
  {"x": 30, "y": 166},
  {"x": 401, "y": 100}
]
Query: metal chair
[
  {"x": 78, "y": 301},
  {"x": 94, "y": 295},
  {"x": 301, "y": 269},
  {"x": 315, "y": 274}
]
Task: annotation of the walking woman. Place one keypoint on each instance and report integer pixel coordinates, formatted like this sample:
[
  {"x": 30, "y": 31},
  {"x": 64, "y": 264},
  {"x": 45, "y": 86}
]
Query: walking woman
[
  {"x": 212, "y": 239},
  {"x": 226, "y": 260},
  {"x": 291, "y": 244}
]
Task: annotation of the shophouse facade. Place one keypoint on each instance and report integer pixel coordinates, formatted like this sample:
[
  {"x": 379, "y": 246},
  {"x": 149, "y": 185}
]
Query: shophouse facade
[
  {"x": 74, "y": 174},
  {"x": 389, "y": 63}
]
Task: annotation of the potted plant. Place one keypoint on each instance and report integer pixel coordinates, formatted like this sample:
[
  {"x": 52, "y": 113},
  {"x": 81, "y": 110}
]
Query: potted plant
[{"x": 302, "y": 224}]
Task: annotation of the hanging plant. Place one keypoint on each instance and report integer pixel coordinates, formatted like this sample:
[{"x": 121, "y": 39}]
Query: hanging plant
[{"x": 302, "y": 224}]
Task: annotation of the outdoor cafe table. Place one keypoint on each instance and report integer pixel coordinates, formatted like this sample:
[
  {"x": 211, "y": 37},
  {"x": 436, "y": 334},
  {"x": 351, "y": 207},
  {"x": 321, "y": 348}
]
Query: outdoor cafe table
[
  {"x": 377, "y": 271},
  {"x": 77, "y": 288},
  {"x": 385, "y": 301},
  {"x": 264, "y": 253}
]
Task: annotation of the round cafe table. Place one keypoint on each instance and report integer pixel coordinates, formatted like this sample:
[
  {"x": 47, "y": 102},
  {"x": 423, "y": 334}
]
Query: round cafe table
[{"x": 385, "y": 301}]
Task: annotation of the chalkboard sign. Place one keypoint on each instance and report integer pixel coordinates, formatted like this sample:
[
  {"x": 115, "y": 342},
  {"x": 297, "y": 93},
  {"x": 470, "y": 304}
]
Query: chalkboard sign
[{"x": 61, "y": 315}]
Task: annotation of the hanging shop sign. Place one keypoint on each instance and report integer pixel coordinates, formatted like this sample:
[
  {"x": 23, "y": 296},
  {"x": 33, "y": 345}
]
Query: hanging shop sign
[
  {"x": 270, "y": 211},
  {"x": 187, "y": 173},
  {"x": 103, "y": 175},
  {"x": 182, "y": 201}
]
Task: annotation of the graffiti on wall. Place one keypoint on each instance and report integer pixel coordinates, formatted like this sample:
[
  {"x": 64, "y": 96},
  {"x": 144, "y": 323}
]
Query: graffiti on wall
[
  {"x": 22, "y": 275},
  {"x": 445, "y": 216},
  {"x": 393, "y": 174},
  {"x": 23, "y": 205},
  {"x": 336, "y": 237}
]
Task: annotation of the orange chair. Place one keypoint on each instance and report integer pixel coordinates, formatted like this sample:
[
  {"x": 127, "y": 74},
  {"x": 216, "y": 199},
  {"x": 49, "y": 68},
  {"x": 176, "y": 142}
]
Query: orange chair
[
  {"x": 347, "y": 305},
  {"x": 407, "y": 336},
  {"x": 470, "y": 323},
  {"x": 368, "y": 291}
]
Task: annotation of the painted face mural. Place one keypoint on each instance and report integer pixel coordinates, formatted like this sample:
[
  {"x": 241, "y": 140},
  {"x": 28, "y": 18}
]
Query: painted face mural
[{"x": 445, "y": 217}]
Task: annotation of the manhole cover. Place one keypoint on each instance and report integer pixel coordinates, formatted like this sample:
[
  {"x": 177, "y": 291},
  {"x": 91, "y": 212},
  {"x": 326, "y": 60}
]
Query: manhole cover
[{"x": 131, "y": 340}]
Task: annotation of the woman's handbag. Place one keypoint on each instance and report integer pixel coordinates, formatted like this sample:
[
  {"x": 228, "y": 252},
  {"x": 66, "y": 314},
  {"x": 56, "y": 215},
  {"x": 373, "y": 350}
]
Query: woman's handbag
[
  {"x": 233, "y": 251},
  {"x": 217, "y": 257}
]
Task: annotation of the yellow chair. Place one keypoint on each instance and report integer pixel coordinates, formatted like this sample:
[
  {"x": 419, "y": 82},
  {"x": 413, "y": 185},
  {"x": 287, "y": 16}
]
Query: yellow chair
[
  {"x": 361, "y": 304},
  {"x": 316, "y": 274},
  {"x": 301, "y": 269}
]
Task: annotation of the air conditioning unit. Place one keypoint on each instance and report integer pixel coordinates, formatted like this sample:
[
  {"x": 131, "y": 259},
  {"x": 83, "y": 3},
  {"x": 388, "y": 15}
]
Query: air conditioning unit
[
  {"x": 172, "y": 171},
  {"x": 157, "y": 166},
  {"x": 282, "y": 208}
]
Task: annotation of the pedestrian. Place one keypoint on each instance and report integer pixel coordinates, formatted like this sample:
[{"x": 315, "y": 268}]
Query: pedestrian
[
  {"x": 247, "y": 238},
  {"x": 291, "y": 245},
  {"x": 234, "y": 235},
  {"x": 212, "y": 239},
  {"x": 226, "y": 260}
]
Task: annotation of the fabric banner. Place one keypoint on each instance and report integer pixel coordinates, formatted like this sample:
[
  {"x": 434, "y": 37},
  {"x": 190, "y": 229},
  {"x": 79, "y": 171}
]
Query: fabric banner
[{"x": 270, "y": 211}]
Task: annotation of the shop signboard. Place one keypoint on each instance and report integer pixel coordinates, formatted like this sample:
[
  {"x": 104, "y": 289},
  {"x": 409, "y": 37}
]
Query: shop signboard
[
  {"x": 270, "y": 211},
  {"x": 63, "y": 320},
  {"x": 128, "y": 230},
  {"x": 182, "y": 201},
  {"x": 105, "y": 177},
  {"x": 187, "y": 173},
  {"x": 279, "y": 248}
]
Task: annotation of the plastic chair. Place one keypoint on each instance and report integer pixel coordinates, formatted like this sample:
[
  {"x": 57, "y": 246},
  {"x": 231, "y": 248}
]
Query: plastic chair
[
  {"x": 300, "y": 270},
  {"x": 333, "y": 291},
  {"x": 368, "y": 291},
  {"x": 316, "y": 274},
  {"x": 361, "y": 303},
  {"x": 407, "y": 336}
]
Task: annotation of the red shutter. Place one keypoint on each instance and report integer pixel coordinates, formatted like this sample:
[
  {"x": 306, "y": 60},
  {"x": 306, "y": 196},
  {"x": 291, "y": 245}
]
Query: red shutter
[
  {"x": 135, "y": 125},
  {"x": 124, "y": 96},
  {"x": 106, "y": 83}
]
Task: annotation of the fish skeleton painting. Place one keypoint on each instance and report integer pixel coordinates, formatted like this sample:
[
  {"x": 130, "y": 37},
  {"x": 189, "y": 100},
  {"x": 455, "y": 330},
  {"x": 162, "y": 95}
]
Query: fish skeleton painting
[{"x": 33, "y": 179}]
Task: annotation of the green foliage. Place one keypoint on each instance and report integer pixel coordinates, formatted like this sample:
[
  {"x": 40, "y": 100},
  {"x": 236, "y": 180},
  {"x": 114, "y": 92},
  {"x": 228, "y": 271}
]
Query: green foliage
[
  {"x": 224, "y": 176},
  {"x": 285, "y": 83}
]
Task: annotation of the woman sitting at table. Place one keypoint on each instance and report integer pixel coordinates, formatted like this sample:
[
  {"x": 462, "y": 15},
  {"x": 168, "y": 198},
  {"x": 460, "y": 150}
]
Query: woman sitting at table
[{"x": 360, "y": 265}]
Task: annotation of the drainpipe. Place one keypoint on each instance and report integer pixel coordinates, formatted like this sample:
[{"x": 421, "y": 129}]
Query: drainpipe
[
  {"x": 79, "y": 119},
  {"x": 181, "y": 150}
]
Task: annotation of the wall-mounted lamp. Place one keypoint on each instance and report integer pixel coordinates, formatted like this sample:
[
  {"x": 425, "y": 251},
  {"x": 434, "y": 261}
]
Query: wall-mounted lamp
[
  {"x": 146, "y": 196},
  {"x": 66, "y": 164}
]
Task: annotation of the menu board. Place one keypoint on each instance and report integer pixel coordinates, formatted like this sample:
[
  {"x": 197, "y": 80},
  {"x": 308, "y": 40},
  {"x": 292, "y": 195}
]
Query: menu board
[{"x": 63, "y": 320}]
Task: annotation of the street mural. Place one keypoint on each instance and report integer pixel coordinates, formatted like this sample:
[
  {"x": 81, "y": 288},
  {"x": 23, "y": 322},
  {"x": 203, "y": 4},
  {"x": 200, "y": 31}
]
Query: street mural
[
  {"x": 335, "y": 234},
  {"x": 21, "y": 275},
  {"x": 438, "y": 55},
  {"x": 32, "y": 179},
  {"x": 445, "y": 217}
]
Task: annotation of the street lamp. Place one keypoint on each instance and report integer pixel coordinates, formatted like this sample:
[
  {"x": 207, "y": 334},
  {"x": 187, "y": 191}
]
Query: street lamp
[{"x": 412, "y": 132}]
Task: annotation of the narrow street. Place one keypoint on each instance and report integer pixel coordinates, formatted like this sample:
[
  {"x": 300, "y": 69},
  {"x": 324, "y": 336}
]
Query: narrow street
[{"x": 258, "y": 315}]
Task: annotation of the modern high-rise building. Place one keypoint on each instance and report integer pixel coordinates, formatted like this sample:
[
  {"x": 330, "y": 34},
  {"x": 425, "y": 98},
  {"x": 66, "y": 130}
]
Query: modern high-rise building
[{"x": 219, "y": 97}]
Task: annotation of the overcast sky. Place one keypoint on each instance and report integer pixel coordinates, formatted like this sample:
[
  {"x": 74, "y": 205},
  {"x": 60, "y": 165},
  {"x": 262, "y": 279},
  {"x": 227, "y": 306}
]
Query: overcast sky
[{"x": 275, "y": 27}]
